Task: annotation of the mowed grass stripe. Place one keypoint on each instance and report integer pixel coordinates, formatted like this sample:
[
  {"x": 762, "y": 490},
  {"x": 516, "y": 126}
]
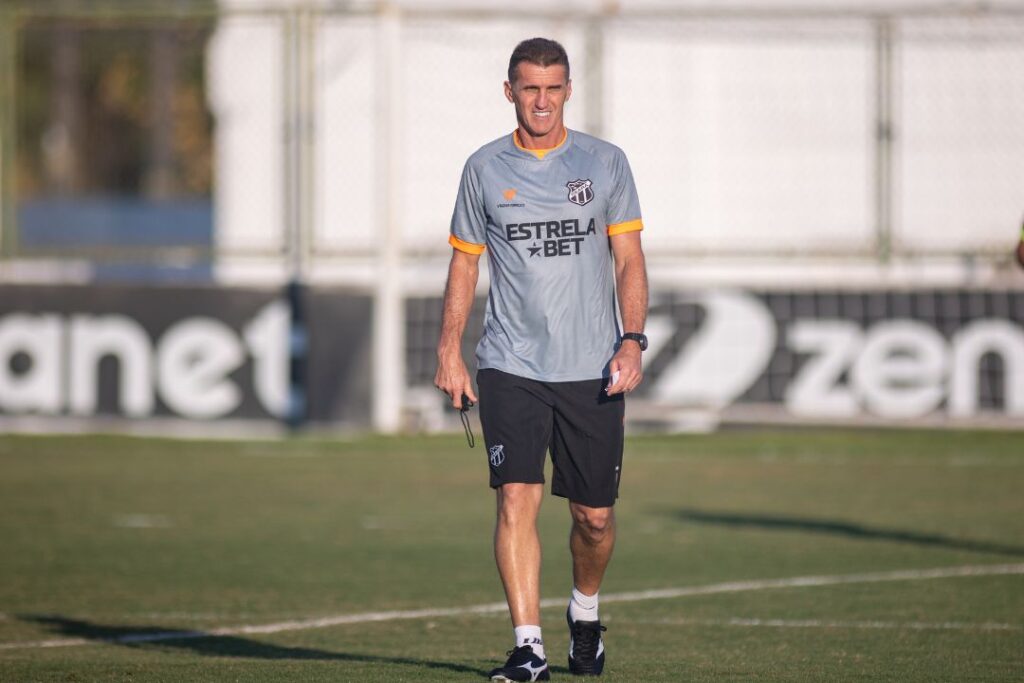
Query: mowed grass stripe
[{"x": 495, "y": 607}]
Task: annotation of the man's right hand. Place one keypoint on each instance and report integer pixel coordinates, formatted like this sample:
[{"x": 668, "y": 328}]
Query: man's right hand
[{"x": 453, "y": 379}]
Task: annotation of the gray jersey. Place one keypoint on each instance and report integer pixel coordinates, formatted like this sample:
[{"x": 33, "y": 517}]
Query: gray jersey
[{"x": 544, "y": 218}]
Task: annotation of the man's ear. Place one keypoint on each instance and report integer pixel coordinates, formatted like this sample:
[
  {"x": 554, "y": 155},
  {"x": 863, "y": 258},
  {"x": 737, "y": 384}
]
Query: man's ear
[
  {"x": 508, "y": 92},
  {"x": 568, "y": 89}
]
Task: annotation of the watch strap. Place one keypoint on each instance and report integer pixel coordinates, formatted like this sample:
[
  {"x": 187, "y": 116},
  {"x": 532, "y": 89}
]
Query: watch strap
[{"x": 638, "y": 337}]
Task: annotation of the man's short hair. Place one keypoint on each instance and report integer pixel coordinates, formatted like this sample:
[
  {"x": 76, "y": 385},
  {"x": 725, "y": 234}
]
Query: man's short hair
[{"x": 540, "y": 51}]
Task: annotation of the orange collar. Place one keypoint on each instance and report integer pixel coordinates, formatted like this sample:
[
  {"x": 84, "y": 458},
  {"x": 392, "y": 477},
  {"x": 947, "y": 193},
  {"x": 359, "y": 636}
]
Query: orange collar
[{"x": 539, "y": 153}]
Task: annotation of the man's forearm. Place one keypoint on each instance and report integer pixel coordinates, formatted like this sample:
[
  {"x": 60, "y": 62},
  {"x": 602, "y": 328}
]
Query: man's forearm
[
  {"x": 631, "y": 283},
  {"x": 458, "y": 302}
]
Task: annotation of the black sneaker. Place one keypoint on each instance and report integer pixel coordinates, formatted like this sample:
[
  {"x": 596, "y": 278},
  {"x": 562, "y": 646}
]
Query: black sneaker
[
  {"x": 586, "y": 649},
  {"x": 522, "y": 665}
]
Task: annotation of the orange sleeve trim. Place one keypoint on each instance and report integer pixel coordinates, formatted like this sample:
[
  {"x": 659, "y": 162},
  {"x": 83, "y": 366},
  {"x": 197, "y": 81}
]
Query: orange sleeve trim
[
  {"x": 467, "y": 247},
  {"x": 628, "y": 226}
]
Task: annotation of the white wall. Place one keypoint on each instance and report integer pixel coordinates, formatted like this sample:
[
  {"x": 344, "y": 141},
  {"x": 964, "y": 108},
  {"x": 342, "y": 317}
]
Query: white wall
[
  {"x": 245, "y": 80},
  {"x": 745, "y": 135}
]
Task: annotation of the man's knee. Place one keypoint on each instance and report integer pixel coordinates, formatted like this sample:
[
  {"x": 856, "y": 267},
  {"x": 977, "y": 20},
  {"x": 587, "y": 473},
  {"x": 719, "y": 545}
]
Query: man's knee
[
  {"x": 519, "y": 502},
  {"x": 594, "y": 523}
]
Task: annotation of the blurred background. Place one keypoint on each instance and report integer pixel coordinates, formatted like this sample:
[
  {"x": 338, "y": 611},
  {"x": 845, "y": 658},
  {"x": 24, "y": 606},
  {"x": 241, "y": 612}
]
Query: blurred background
[{"x": 233, "y": 215}]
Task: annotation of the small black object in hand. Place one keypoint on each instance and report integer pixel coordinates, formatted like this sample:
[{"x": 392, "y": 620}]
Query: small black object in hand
[{"x": 464, "y": 415}]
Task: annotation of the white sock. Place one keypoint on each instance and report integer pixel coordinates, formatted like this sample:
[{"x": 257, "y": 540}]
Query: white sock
[
  {"x": 530, "y": 635},
  {"x": 583, "y": 607}
]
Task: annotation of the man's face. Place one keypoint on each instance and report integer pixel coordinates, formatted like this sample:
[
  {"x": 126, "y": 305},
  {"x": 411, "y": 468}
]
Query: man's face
[{"x": 539, "y": 93}]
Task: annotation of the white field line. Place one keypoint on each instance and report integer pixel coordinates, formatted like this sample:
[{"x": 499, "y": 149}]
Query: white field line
[
  {"x": 497, "y": 607},
  {"x": 824, "y": 623},
  {"x": 142, "y": 521},
  {"x": 807, "y": 581}
]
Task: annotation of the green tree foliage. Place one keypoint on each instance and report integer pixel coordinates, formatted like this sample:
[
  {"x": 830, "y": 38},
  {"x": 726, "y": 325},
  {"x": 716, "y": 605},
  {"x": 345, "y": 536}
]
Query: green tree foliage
[{"x": 111, "y": 101}]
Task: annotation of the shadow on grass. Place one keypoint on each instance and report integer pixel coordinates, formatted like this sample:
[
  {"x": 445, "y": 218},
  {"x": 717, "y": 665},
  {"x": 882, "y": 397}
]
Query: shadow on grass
[
  {"x": 841, "y": 528},
  {"x": 211, "y": 644}
]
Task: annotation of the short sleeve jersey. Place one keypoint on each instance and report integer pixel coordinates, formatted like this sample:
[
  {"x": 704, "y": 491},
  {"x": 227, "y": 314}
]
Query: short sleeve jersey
[{"x": 544, "y": 217}]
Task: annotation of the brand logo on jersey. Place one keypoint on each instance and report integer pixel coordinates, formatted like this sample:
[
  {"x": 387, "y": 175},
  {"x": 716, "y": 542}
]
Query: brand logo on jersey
[
  {"x": 497, "y": 454},
  {"x": 580, "y": 191},
  {"x": 551, "y": 238},
  {"x": 510, "y": 203}
]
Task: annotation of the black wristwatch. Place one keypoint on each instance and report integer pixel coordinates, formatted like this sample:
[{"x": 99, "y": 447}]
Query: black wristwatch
[{"x": 639, "y": 337}]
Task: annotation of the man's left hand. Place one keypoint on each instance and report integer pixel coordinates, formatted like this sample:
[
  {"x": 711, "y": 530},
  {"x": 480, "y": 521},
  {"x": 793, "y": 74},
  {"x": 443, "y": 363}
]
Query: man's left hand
[{"x": 627, "y": 364}]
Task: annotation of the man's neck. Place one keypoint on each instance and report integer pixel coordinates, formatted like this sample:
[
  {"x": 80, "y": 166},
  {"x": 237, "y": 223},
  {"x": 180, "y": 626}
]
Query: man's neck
[{"x": 550, "y": 141}]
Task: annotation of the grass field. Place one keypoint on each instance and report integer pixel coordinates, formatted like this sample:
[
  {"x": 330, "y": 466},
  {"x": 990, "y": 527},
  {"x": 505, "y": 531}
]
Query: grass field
[{"x": 128, "y": 559}]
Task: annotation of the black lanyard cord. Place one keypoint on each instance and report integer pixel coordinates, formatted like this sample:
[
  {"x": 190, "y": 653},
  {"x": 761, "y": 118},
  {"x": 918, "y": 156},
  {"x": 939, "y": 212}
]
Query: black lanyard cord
[{"x": 464, "y": 415}]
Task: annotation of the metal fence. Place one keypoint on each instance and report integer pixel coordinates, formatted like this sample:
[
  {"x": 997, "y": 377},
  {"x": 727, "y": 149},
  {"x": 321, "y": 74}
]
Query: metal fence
[
  {"x": 193, "y": 141},
  {"x": 322, "y": 144}
]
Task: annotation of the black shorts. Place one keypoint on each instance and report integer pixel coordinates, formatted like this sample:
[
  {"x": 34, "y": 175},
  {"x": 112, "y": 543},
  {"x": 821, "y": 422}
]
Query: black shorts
[{"x": 577, "y": 422}]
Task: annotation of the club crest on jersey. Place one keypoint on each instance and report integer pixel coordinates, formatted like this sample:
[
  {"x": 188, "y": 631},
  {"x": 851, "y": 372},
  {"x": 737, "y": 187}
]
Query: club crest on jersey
[
  {"x": 580, "y": 191},
  {"x": 497, "y": 453}
]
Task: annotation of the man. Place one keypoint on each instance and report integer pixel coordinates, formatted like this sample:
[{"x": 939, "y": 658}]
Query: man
[{"x": 558, "y": 215}]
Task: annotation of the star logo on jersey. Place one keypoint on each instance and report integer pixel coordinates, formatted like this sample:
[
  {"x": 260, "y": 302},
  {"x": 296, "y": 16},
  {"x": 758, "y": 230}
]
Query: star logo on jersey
[
  {"x": 509, "y": 195},
  {"x": 563, "y": 237},
  {"x": 580, "y": 191},
  {"x": 497, "y": 454}
]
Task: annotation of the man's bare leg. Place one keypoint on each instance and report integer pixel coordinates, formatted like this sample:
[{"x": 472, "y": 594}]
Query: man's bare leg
[
  {"x": 591, "y": 542},
  {"x": 517, "y": 550}
]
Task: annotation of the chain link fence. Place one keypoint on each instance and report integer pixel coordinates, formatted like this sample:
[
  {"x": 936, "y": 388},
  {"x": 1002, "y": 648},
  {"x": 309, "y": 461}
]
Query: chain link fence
[{"x": 183, "y": 138}]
